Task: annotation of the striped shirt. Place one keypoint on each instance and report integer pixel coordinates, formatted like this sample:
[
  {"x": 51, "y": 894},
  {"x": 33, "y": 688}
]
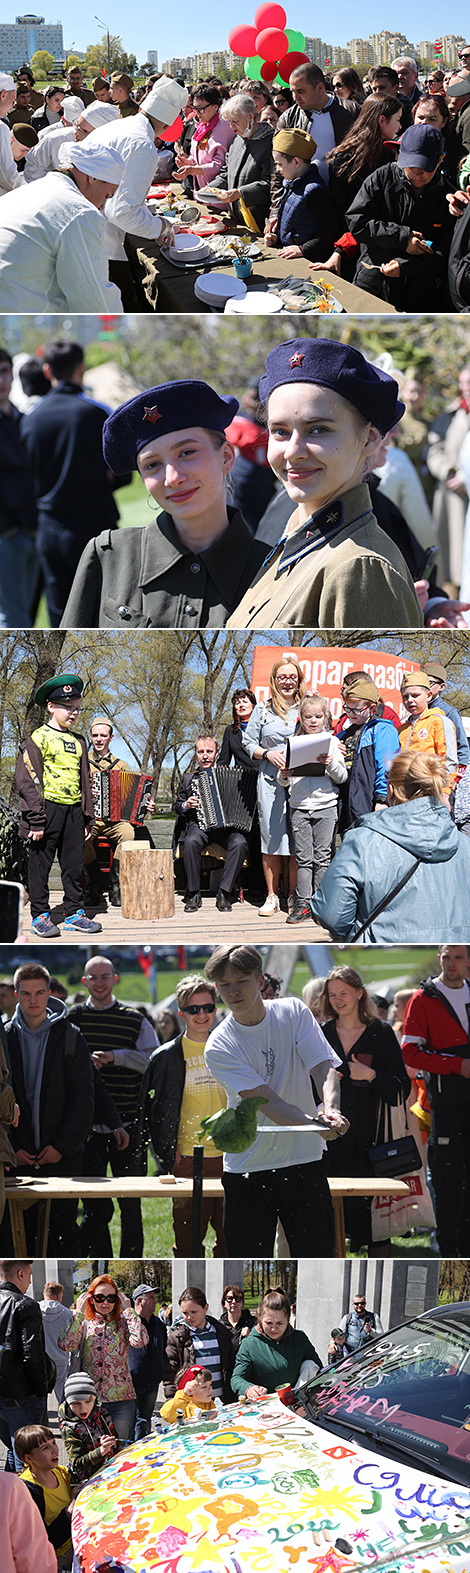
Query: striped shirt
[{"x": 206, "y": 1349}]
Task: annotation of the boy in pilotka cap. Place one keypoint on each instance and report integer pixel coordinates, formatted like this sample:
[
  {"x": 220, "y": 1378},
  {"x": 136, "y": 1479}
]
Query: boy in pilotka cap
[
  {"x": 307, "y": 221},
  {"x": 53, "y": 781}
]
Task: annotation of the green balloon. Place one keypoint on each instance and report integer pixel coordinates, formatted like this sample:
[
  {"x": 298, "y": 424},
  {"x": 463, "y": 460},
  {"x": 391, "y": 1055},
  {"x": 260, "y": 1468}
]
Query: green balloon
[
  {"x": 253, "y": 66},
  {"x": 296, "y": 40}
]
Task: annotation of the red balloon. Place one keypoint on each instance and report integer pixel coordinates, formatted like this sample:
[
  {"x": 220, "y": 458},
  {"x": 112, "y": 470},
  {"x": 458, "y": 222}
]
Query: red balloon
[
  {"x": 271, "y": 43},
  {"x": 269, "y": 15},
  {"x": 242, "y": 39},
  {"x": 268, "y": 70},
  {"x": 290, "y": 63},
  {"x": 172, "y": 133}
]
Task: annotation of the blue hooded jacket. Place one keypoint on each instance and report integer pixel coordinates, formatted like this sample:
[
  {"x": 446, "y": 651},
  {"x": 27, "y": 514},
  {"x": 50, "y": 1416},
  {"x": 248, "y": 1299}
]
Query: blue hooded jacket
[
  {"x": 376, "y": 854},
  {"x": 307, "y": 216},
  {"x": 377, "y": 743}
]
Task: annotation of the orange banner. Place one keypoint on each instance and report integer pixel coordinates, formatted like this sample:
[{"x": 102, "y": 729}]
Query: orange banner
[{"x": 324, "y": 671}]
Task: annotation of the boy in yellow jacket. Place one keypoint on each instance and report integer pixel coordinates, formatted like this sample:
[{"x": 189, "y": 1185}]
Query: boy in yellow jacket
[{"x": 427, "y": 731}]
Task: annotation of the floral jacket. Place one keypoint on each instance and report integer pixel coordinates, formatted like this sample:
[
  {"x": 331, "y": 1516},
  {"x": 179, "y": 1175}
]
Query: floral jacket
[{"x": 105, "y": 1352}]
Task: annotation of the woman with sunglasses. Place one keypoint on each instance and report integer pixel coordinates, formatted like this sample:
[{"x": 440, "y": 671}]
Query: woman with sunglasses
[
  {"x": 177, "y": 1092},
  {"x": 103, "y": 1327},
  {"x": 210, "y": 139},
  {"x": 234, "y": 1315}
]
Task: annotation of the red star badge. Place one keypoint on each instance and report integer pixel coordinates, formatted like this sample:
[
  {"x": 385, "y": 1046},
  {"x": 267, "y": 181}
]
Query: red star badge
[
  {"x": 296, "y": 360},
  {"x": 152, "y": 413}
]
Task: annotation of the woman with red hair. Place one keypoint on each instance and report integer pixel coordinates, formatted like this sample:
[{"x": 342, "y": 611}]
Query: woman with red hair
[{"x": 103, "y": 1327}]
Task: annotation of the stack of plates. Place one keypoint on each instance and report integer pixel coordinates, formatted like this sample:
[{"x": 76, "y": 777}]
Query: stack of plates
[
  {"x": 256, "y": 303},
  {"x": 216, "y": 288},
  {"x": 189, "y": 248}
]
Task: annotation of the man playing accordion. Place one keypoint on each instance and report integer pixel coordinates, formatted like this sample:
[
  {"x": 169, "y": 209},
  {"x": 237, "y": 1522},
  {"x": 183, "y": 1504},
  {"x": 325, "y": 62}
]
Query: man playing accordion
[
  {"x": 115, "y": 831},
  {"x": 188, "y": 806}
]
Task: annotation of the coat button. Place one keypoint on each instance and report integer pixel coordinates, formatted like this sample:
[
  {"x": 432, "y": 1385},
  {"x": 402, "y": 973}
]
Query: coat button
[
  {"x": 123, "y": 611},
  {"x": 195, "y": 567},
  {"x": 190, "y": 611}
]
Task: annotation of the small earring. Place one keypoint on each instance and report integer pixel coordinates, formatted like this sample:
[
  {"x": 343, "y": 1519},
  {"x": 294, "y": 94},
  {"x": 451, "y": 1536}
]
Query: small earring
[{"x": 154, "y": 507}]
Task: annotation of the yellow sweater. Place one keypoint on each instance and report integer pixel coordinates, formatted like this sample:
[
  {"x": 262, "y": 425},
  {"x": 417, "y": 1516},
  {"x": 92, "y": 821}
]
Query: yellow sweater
[{"x": 190, "y": 1406}]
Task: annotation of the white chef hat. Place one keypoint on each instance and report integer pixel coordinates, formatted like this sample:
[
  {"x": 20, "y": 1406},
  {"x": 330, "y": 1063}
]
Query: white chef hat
[
  {"x": 71, "y": 108},
  {"x": 165, "y": 100},
  {"x": 101, "y": 163},
  {"x": 97, "y": 114},
  {"x": 7, "y": 84}
]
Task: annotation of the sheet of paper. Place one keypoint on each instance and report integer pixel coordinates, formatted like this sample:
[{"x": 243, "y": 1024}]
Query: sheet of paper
[{"x": 305, "y": 749}]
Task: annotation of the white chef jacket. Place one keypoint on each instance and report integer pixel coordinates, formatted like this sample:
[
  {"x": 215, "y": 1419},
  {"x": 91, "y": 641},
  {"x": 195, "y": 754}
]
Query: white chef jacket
[
  {"x": 53, "y": 251},
  {"x": 45, "y": 156},
  {"x": 10, "y": 176},
  {"x": 127, "y": 211}
]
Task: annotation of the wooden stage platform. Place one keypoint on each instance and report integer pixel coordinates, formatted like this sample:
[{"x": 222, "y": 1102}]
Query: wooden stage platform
[{"x": 207, "y": 926}]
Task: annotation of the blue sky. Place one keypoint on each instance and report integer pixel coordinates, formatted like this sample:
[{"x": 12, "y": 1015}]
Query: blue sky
[{"x": 184, "y": 27}]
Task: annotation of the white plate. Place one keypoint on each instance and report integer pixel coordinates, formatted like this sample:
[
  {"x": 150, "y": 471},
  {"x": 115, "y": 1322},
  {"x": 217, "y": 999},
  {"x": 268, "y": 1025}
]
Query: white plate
[
  {"x": 216, "y": 288},
  {"x": 189, "y": 253},
  {"x": 188, "y": 243},
  {"x": 256, "y": 303}
]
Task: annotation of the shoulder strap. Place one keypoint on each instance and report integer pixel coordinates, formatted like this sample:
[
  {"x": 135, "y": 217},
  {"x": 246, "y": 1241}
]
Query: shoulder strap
[{"x": 382, "y": 905}]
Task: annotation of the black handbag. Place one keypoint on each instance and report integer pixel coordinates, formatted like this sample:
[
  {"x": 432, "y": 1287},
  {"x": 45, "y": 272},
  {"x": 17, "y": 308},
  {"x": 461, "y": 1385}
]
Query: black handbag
[{"x": 394, "y": 1157}]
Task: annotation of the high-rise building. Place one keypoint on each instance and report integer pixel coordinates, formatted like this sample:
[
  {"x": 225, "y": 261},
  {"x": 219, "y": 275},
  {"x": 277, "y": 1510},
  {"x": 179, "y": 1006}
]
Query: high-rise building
[
  {"x": 19, "y": 40},
  {"x": 152, "y": 58},
  {"x": 361, "y": 52}
]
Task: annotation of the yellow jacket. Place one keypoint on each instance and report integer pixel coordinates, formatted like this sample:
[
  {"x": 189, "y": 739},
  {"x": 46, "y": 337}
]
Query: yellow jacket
[
  {"x": 183, "y": 1400},
  {"x": 432, "y": 733}
]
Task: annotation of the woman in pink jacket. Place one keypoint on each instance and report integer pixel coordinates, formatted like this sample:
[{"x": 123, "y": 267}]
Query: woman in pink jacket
[
  {"x": 23, "y": 1535},
  {"x": 209, "y": 142}
]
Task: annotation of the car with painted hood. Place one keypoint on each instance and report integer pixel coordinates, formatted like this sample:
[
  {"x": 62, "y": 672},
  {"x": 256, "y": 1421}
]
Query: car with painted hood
[{"x": 370, "y": 1469}]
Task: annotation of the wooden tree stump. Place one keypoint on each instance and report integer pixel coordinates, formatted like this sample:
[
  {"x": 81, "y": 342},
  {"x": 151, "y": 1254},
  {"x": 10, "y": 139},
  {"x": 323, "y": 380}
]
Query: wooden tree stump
[{"x": 147, "y": 881}]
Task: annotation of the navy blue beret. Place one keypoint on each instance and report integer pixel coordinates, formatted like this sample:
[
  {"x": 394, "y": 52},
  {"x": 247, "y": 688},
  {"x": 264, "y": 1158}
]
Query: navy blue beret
[
  {"x": 171, "y": 407},
  {"x": 341, "y": 368}
]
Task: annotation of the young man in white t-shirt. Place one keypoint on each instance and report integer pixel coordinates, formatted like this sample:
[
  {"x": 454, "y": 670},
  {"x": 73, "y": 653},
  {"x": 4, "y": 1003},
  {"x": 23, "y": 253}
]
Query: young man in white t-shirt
[{"x": 273, "y": 1049}]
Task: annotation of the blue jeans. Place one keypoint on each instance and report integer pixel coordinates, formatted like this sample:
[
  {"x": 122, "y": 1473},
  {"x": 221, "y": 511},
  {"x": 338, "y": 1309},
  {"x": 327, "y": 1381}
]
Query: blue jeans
[
  {"x": 20, "y": 1412},
  {"x": 19, "y": 575},
  {"x": 122, "y": 1412},
  {"x": 144, "y": 1412}
]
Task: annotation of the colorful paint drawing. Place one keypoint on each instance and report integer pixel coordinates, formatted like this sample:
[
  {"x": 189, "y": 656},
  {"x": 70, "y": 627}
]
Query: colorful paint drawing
[{"x": 262, "y": 1493}]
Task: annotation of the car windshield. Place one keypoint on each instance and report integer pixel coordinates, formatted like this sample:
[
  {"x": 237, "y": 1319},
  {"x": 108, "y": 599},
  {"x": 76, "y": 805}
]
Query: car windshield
[{"x": 408, "y": 1393}]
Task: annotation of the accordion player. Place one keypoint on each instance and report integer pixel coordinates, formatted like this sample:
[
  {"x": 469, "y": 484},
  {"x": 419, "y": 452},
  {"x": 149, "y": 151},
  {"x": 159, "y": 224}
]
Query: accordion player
[
  {"x": 122, "y": 799},
  {"x": 214, "y": 808}
]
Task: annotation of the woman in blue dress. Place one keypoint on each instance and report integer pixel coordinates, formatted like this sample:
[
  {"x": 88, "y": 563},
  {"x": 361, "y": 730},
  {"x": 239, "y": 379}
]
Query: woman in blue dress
[{"x": 265, "y": 738}]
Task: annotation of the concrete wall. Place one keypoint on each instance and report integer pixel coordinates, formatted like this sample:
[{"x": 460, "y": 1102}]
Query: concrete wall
[{"x": 325, "y": 1289}]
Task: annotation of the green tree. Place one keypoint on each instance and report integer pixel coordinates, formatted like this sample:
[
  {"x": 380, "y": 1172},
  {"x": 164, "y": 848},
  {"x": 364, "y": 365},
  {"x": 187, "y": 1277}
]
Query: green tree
[
  {"x": 97, "y": 56},
  {"x": 42, "y": 63}
]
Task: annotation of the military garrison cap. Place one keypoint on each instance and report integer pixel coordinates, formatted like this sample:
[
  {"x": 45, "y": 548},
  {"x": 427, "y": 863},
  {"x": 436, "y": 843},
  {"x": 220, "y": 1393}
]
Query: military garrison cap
[
  {"x": 170, "y": 407},
  {"x": 63, "y": 688},
  {"x": 341, "y": 368}
]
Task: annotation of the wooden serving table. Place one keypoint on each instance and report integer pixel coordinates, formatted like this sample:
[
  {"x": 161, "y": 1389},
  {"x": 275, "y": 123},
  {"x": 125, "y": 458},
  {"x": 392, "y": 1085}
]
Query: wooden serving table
[
  {"x": 23, "y": 1192},
  {"x": 163, "y": 287}
]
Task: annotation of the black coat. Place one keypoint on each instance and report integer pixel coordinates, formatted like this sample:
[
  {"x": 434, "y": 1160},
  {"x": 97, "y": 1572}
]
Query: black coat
[
  {"x": 158, "y": 1115},
  {"x": 360, "y": 1101},
  {"x": 246, "y": 1320},
  {"x": 344, "y": 191},
  {"x": 67, "y": 1090},
  {"x": 382, "y": 218},
  {"x": 25, "y": 1369},
  {"x": 232, "y": 748},
  {"x": 62, "y": 436},
  {"x": 248, "y": 169},
  {"x": 180, "y": 1352},
  {"x": 146, "y": 1365},
  {"x": 17, "y": 494},
  {"x": 459, "y": 263}
]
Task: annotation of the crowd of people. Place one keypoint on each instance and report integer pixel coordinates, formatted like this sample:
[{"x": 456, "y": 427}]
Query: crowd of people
[
  {"x": 366, "y": 179},
  {"x": 80, "y": 1105},
  {"x": 234, "y": 490},
  {"x": 365, "y": 822},
  {"x": 202, "y": 1361}
]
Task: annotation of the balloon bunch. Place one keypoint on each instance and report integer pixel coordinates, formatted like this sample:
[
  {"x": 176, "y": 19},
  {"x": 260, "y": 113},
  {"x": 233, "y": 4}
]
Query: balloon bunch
[{"x": 273, "y": 50}]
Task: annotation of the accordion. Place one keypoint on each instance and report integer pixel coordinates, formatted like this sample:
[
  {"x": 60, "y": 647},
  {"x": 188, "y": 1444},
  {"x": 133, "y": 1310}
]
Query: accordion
[
  {"x": 120, "y": 794},
  {"x": 227, "y": 798}
]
